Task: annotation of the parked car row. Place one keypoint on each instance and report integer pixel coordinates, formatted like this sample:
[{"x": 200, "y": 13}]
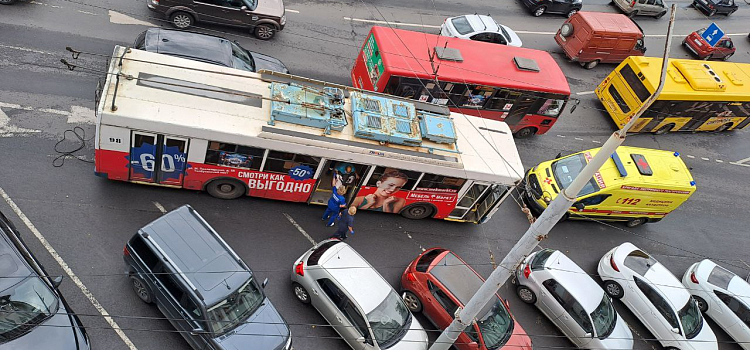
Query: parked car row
[{"x": 632, "y": 8}]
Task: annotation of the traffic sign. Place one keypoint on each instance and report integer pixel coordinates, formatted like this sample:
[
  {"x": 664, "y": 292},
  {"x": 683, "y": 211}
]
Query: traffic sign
[{"x": 712, "y": 34}]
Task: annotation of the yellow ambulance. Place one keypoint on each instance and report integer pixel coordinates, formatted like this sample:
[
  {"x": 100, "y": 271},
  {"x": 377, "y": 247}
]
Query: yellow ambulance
[{"x": 636, "y": 185}]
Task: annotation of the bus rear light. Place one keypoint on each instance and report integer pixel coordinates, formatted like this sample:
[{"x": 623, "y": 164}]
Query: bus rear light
[
  {"x": 693, "y": 278},
  {"x": 300, "y": 268},
  {"x": 410, "y": 277},
  {"x": 527, "y": 271},
  {"x": 612, "y": 262}
]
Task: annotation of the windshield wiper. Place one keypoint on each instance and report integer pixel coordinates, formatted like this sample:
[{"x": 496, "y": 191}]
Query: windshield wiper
[{"x": 42, "y": 299}]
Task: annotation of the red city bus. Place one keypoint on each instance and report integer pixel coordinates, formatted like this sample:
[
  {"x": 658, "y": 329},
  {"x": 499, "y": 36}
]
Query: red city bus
[
  {"x": 525, "y": 88},
  {"x": 172, "y": 122}
]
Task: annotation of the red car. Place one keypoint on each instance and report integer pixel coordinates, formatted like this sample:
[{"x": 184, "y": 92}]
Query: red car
[
  {"x": 699, "y": 46},
  {"x": 438, "y": 282}
]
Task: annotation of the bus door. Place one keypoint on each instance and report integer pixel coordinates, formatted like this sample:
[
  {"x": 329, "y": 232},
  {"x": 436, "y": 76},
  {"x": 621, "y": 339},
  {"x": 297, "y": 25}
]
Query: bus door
[
  {"x": 157, "y": 158},
  {"x": 467, "y": 202},
  {"x": 518, "y": 110},
  {"x": 350, "y": 175}
]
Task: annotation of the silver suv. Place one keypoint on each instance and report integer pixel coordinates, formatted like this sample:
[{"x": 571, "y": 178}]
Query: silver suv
[
  {"x": 632, "y": 8},
  {"x": 352, "y": 296}
]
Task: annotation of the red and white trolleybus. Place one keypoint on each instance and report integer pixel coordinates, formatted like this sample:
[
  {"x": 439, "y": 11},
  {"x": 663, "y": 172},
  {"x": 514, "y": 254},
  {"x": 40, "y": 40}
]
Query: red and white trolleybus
[{"x": 168, "y": 121}]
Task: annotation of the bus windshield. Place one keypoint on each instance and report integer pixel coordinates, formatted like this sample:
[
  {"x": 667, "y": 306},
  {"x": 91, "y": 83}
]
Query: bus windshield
[{"x": 566, "y": 169}]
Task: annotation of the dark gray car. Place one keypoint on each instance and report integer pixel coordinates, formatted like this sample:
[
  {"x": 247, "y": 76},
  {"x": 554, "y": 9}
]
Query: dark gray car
[
  {"x": 202, "y": 286},
  {"x": 206, "y": 48},
  {"x": 33, "y": 313}
]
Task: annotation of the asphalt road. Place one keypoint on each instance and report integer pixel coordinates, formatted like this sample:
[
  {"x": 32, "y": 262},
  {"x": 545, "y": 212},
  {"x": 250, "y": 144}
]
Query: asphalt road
[{"x": 87, "y": 219}]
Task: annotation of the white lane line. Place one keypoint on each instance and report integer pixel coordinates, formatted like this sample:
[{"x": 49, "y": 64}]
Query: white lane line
[
  {"x": 15, "y": 106},
  {"x": 563, "y": 136},
  {"x": 299, "y": 228},
  {"x": 689, "y": 156},
  {"x": 119, "y": 18},
  {"x": 584, "y": 93},
  {"x": 578, "y": 138},
  {"x": 88, "y": 13},
  {"x": 160, "y": 207},
  {"x": 719, "y": 161},
  {"x": 742, "y": 162},
  {"x": 704, "y": 158},
  {"x": 53, "y": 111},
  {"x": 68, "y": 270},
  {"x": 391, "y": 23},
  {"x": 26, "y": 49},
  {"x": 292, "y": 11},
  {"x": 595, "y": 141}
]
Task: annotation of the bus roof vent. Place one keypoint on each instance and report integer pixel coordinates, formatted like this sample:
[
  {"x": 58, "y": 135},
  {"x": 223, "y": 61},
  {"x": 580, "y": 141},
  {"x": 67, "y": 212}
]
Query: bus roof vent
[
  {"x": 700, "y": 75},
  {"x": 526, "y": 64},
  {"x": 393, "y": 121},
  {"x": 448, "y": 54},
  {"x": 734, "y": 78},
  {"x": 437, "y": 128},
  {"x": 303, "y": 105}
]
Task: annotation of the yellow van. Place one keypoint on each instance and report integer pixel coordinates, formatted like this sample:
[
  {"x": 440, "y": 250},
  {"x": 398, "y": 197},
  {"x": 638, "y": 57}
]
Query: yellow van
[{"x": 636, "y": 185}]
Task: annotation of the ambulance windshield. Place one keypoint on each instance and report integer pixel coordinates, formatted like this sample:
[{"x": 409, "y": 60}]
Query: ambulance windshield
[{"x": 566, "y": 169}]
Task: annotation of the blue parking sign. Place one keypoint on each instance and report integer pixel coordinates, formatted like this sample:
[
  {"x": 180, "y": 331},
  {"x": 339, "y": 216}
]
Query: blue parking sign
[{"x": 712, "y": 34}]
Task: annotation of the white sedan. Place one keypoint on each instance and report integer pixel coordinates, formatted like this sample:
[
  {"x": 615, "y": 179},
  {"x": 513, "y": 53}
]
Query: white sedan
[
  {"x": 656, "y": 297},
  {"x": 723, "y": 296},
  {"x": 479, "y": 28}
]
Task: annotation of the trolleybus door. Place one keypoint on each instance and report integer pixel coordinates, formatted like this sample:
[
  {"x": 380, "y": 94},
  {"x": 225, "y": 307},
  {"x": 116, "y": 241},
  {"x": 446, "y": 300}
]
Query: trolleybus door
[
  {"x": 479, "y": 203},
  {"x": 324, "y": 185},
  {"x": 156, "y": 158},
  {"x": 469, "y": 198}
]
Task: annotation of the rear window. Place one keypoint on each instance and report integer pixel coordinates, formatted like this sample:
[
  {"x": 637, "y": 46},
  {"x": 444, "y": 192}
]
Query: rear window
[
  {"x": 720, "y": 277},
  {"x": 143, "y": 251},
  {"x": 639, "y": 262},
  {"x": 313, "y": 259},
  {"x": 537, "y": 263},
  {"x": 618, "y": 99},
  {"x": 634, "y": 82},
  {"x": 424, "y": 262},
  {"x": 462, "y": 25}
]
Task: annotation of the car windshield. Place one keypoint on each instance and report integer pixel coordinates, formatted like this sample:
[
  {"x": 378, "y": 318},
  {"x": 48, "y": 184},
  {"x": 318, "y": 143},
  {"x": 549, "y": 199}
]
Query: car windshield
[
  {"x": 23, "y": 306},
  {"x": 505, "y": 34},
  {"x": 496, "y": 326},
  {"x": 604, "y": 318},
  {"x": 241, "y": 59},
  {"x": 389, "y": 320},
  {"x": 235, "y": 309},
  {"x": 566, "y": 169},
  {"x": 691, "y": 319},
  {"x": 462, "y": 25}
]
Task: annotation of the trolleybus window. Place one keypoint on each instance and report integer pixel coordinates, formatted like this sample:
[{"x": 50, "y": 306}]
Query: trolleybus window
[
  {"x": 440, "y": 182},
  {"x": 281, "y": 162},
  {"x": 228, "y": 154},
  {"x": 503, "y": 100}
]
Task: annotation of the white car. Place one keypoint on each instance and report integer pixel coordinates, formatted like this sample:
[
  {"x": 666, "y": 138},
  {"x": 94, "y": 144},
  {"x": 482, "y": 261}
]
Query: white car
[
  {"x": 656, "y": 297},
  {"x": 479, "y": 28},
  {"x": 722, "y": 295},
  {"x": 571, "y": 299}
]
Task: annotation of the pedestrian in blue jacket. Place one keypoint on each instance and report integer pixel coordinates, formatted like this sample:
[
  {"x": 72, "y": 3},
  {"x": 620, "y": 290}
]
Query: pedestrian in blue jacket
[{"x": 336, "y": 203}]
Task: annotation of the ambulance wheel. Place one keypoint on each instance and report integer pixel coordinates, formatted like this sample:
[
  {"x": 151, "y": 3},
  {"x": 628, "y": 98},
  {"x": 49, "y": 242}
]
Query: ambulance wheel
[
  {"x": 590, "y": 65},
  {"x": 525, "y": 132},
  {"x": 664, "y": 129},
  {"x": 417, "y": 211},
  {"x": 636, "y": 222},
  {"x": 226, "y": 188}
]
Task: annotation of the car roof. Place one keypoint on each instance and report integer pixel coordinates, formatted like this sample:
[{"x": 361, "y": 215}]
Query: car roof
[
  {"x": 609, "y": 22},
  {"x": 355, "y": 275},
  {"x": 482, "y": 23},
  {"x": 657, "y": 276},
  {"x": 13, "y": 266},
  {"x": 737, "y": 286},
  {"x": 576, "y": 281},
  {"x": 196, "y": 46},
  {"x": 456, "y": 276},
  {"x": 194, "y": 248}
]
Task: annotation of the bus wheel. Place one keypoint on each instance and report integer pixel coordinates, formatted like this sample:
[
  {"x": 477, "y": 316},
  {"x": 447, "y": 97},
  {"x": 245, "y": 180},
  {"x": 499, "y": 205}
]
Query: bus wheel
[
  {"x": 226, "y": 188},
  {"x": 636, "y": 222},
  {"x": 664, "y": 129},
  {"x": 417, "y": 211},
  {"x": 525, "y": 132},
  {"x": 724, "y": 127}
]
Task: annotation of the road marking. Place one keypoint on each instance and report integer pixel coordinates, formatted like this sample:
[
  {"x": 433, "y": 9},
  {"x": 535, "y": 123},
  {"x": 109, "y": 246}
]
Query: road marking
[
  {"x": 578, "y": 138},
  {"x": 292, "y": 11},
  {"x": 299, "y": 228},
  {"x": 704, "y": 158},
  {"x": 595, "y": 141},
  {"x": 68, "y": 270},
  {"x": 742, "y": 162},
  {"x": 77, "y": 114},
  {"x": 41, "y": 3},
  {"x": 689, "y": 156},
  {"x": 719, "y": 161},
  {"x": 15, "y": 106},
  {"x": 390, "y": 23},
  {"x": 584, "y": 93},
  {"x": 27, "y": 50},
  {"x": 7, "y": 130},
  {"x": 160, "y": 207},
  {"x": 563, "y": 136},
  {"x": 119, "y": 18},
  {"x": 88, "y": 13},
  {"x": 53, "y": 111}
]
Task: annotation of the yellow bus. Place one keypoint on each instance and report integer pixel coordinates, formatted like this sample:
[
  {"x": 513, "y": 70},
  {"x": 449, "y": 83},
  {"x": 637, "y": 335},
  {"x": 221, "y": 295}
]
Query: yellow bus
[{"x": 697, "y": 95}]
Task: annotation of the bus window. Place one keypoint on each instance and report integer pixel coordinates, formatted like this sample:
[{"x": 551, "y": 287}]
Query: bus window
[
  {"x": 282, "y": 162},
  {"x": 477, "y": 96},
  {"x": 430, "y": 181},
  {"x": 503, "y": 100},
  {"x": 635, "y": 83},
  {"x": 228, "y": 154},
  {"x": 551, "y": 107},
  {"x": 456, "y": 93},
  {"x": 407, "y": 178},
  {"x": 618, "y": 99}
]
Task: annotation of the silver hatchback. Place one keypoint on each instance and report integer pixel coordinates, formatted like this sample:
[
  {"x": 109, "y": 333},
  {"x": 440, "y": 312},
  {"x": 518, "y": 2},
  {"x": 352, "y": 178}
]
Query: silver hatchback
[
  {"x": 355, "y": 299},
  {"x": 571, "y": 299}
]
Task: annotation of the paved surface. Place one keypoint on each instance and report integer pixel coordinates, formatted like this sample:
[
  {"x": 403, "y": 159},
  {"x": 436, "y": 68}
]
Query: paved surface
[{"x": 87, "y": 219}]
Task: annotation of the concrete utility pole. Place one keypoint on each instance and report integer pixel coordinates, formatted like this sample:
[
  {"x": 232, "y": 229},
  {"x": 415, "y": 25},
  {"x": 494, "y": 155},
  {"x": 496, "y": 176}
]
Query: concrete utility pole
[{"x": 541, "y": 227}]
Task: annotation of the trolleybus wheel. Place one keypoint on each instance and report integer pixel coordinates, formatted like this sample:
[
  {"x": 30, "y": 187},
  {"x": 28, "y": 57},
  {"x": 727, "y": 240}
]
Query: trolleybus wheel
[
  {"x": 226, "y": 188},
  {"x": 417, "y": 211},
  {"x": 664, "y": 129},
  {"x": 525, "y": 132},
  {"x": 636, "y": 222}
]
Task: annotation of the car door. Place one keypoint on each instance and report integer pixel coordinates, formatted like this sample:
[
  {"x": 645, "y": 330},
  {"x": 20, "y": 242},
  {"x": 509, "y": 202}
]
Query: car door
[
  {"x": 656, "y": 313},
  {"x": 574, "y": 321},
  {"x": 561, "y": 6},
  {"x": 332, "y": 306},
  {"x": 214, "y": 11},
  {"x": 736, "y": 320},
  {"x": 168, "y": 296},
  {"x": 443, "y": 316}
]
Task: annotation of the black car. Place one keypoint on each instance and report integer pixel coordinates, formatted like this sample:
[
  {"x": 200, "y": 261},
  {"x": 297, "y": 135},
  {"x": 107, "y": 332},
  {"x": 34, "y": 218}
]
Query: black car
[
  {"x": 712, "y": 7},
  {"x": 33, "y": 313},
  {"x": 565, "y": 7},
  {"x": 206, "y": 48},
  {"x": 6, "y": 2}
]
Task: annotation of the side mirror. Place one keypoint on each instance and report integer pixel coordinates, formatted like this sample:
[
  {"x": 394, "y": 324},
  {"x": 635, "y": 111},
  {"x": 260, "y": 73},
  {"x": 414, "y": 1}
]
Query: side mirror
[
  {"x": 265, "y": 282},
  {"x": 676, "y": 330},
  {"x": 579, "y": 206},
  {"x": 361, "y": 340},
  {"x": 56, "y": 281},
  {"x": 558, "y": 155},
  {"x": 197, "y": 331},
  {"x": 243, "y": 8},
  {"x": 473, "y": 345},
  {"x": 588, "y": 335}
]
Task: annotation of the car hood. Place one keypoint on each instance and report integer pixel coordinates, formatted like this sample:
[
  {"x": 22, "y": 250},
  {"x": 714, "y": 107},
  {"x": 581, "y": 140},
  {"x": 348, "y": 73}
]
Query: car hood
[
  {"x": 268, "y": 63},
  {"x": 263, "y": 330},
  {"x": 620, "y": 338},
  {"x": 54, "y": 333},
  {"x": 515, "y": 40},
  {"x": 270, "y": 7},
  {"x": 414, "y": 339}
]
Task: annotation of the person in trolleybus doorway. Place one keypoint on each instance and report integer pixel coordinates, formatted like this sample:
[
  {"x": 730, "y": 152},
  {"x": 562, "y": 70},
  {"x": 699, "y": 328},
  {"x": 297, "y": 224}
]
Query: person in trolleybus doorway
[
  {"x": 336, "y": 204},
  {"x": 384, "y": 199},
  {"x": 346, "y": 223}
]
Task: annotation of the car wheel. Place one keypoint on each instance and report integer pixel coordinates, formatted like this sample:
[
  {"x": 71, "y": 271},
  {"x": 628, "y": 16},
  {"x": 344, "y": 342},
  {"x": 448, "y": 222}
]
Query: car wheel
[
  {"x": 708, "y": 57},
  {"x": 664, "y": 129},
  {"x": 723, "y": 127},
  {"x": 636, "y": 222},
  {"x": 729, "y": 13},
  {"x": 412, "y": 301},
  {"x": 301, "y": 293},
  {"x": 141, "y": 289},
  {"x": 702, "y": 305},
  {"x": 633, "y": 14},
  {"x": 660, "y": 15},
  {"x": 591, "y": 65},
  {"x": 572, "y": 12},
  {"x": 181, "y": 20},
  {"x": 525, "y": 132},
  {"x": 613, "y": 289},
  {"x": 417, "y": 212},
  {"x": 526, "y": 295},
  {"x": 226, "y": 188},
  {"x": 264, "y": 31},
  {"x": 713, "y": 12},
  {"x": 539, "y": 11},
  {"x": 726, "y": 58}
]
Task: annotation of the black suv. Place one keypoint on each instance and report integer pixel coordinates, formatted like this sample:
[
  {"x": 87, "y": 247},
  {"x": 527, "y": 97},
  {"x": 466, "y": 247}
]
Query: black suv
[
  {"x": 206, "y": 48},
  {"x": 33, "y": 313},
  {"x": 263, "y": 17},
  {"x": 712, "y": 7},
  {"x": 565, "y": 7},
  {"x": 202, "y": 286}
]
